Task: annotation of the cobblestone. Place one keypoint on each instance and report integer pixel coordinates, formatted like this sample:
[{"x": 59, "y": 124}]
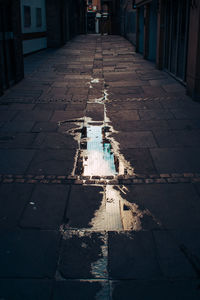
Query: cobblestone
[{"x": 137, "y": 179}]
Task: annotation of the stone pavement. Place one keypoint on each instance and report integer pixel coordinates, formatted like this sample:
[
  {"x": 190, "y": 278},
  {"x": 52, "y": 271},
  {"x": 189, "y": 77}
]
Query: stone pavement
[{"x": 70, "y": 231}]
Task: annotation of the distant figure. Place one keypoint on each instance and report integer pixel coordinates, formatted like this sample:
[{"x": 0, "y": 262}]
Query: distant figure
[{"x": 105, "y": 23}]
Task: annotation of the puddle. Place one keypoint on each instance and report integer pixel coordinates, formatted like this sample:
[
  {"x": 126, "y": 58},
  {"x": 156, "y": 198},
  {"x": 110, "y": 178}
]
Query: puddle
[
  {"x": 108, "y": 216},
  {"x": 99, "y": 267},
  {"x": 98, "y": 157},
  {"x": 97, "y": 153}
]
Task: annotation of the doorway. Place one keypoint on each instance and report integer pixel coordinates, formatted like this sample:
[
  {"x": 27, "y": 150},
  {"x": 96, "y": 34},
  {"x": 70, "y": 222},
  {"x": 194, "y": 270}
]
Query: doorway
[
  {"x": 6, "y": 48},
  {"x": 176, "y": 37},
  {"x": 91, "y": 22}
]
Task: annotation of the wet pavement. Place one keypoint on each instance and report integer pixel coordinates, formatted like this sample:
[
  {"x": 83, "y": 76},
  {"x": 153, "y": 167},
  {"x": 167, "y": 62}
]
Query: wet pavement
[{"x": 99, "y": 178}]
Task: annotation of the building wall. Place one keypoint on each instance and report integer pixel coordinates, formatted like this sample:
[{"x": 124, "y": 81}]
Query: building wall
[
  {"x": 128, "y": 21},
  {"x": 141, "y": 30},
  {"x": 11, "y": 56},
  {"x": 65, "y": 19},
  {"x": 174, "y": 28},
  {"x": 193, "y": 61},
  {"x": 34, "y": 33},
  {"x": 153, "y": 31}
]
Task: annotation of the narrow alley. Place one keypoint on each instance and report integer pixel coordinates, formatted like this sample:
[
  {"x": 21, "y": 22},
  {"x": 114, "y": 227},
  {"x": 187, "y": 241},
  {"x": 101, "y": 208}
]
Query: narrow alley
[{"x": 100, "y": 178}]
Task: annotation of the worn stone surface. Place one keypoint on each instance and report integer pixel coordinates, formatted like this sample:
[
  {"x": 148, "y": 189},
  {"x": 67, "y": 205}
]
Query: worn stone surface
[
  {"x": 171, "y": 205},
  {"x": 140, "y": 160},
  {"x": 53, "y": 243},
  {"x": 21, "y": 289},
  {"x": 15, "y": 161},
  {"x": 172, "y": 261},
  {"x": 28, "y": 254},
  {"x": 136, "y": 260},
  {"x": 52, "y": 162},
  {"x": 176, "y": 160},
  {"x": 136, "y": 139},
  {"x": 46, "y": 207},
  {"x": 83, "y": 203},
  {"x": 13, "y": 200},
  {"x": 157, "y": 289},
  {"x": 79, "y": 290},
  {"x": 46, "y": 140},
  {"x": 95, "y": 111},
  {"x": 79, "y": 253}
]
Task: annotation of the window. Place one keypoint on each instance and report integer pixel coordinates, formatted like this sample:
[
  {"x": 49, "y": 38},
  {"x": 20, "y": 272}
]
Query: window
[
  {"x": 38, "y": 17},
  {"x": 27, "y": 16}
]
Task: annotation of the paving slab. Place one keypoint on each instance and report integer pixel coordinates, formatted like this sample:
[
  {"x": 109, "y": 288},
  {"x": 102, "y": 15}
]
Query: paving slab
[
  {"x": 28, "y": 254},
  {"x": 135, "y": 139},
  {"x": 189, "y": 245},
  {"x": 126, "y": 115},
  {"x": 14, "y": 196},
  {"x": 16, "y": 140},
  {"x": 184, "y": 124},
  {"x": 95, "y": 111},
  {"x": 155, "y": 114},
  {"x": 77, "y": 290},
  {"x": 45, "y": 127},
  {"x": 50, "y": 106},
  {"x": 170, "y": 204},
  {"x": 17, "y": 126},
  {"x": 7, "y": 115},
  {"x": 181, "y": 114},
  {"x": 172, "y": 261},
  {"x": 52, "y": 162},
  {"x": 83, "y": 203},
  {"x": 81, "y": 255},
  {"x": 133, "y": 91},
  {"x": 23, "y": 289},
  {"x": 21, "y": 106},
  {"x": 176, "y": 160},
  {"x": 140, "y": 160},
  {"x": 15, "y": 161},
  {"x": 173, "y": 88},
  {"x": 136, "y": 260},
  {"x": 45, "y": 208},
  {"x": 54, "y": 140},
  {"x": 76, "y": 106},
  {"x": 33, "y": 115},
  {"x": 177, "y": 138},
  {"x": 124, "y": 125},
  {"x": 153, "y": 90},
  {"x": 180, "y": 103},
  {"x": 156, "y": 289},
  {"x": 136, "y": 103},
  {"x": 59, "y": 116}
]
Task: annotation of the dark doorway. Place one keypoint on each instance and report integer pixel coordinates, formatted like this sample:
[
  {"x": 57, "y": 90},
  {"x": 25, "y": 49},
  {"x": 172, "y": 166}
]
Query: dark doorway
[
  {"x": 153, "y": 30},
  {"x": 6, "y": 48},
  {"x": 176, "y": 37},
  {"x": 91, "y": 22},
  {"x": 141, "y": 30}
]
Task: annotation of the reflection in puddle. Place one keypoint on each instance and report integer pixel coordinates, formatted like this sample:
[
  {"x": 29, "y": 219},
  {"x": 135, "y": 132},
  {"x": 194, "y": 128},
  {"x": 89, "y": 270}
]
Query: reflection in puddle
[
  {"x": 98, "y": 153},
  {"x": 99, "y": 267},
  {"x": 98, "y": 158},
  {"x": 108, "y": 216}
]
